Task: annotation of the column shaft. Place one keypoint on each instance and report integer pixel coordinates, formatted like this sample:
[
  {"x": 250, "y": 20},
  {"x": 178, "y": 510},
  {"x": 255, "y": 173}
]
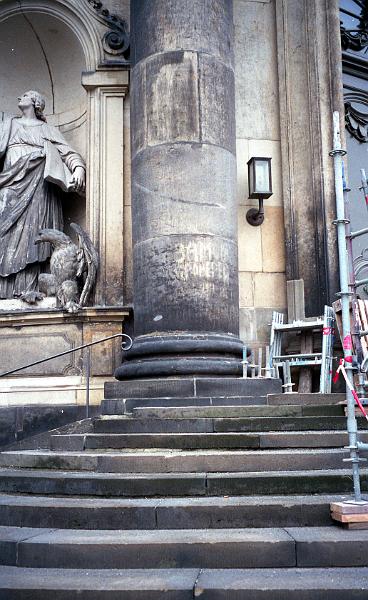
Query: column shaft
[{"x": 183, "y": 189}]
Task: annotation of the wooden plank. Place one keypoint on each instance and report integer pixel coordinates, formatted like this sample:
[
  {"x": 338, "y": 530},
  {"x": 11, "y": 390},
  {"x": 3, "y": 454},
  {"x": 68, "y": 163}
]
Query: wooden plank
[
  {"x": 349, "y": 508},
  {"x": 350, "y": 518},
  {"x": 353, "y": 525}
]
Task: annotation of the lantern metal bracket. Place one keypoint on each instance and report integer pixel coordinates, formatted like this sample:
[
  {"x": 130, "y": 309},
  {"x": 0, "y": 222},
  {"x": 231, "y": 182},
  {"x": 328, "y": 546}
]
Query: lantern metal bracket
[{"x": 255, "y": 216}]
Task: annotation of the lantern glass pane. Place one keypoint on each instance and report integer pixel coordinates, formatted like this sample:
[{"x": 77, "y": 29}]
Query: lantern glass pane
[{"x": 262, "y": 176}]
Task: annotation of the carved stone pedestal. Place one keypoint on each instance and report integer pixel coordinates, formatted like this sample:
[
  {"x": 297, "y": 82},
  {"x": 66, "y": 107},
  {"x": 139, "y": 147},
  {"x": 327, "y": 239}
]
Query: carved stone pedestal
[{"x": 30, "y": 335}]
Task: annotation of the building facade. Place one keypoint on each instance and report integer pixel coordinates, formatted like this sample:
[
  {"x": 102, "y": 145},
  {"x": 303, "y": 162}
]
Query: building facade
[{"x": 262, "y": 82}]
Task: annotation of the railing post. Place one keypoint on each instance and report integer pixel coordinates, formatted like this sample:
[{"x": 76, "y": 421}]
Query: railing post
[{"x": 88, "y": 377}]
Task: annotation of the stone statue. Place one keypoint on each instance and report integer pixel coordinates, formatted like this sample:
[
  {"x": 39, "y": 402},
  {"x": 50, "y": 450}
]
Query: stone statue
[
  {"x": 70, "y": 265},
  {"x": 36, "y": 166}
]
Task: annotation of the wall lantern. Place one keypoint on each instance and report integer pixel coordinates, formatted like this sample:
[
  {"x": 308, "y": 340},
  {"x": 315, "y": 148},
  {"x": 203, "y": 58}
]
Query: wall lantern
[{"x": 260, "y": 186}]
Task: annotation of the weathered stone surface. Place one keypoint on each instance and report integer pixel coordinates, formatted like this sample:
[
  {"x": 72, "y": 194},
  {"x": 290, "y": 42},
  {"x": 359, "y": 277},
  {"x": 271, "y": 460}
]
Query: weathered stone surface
[
  {"x": 217, "y": 89},
  {"x": 19, "y": 422},
  {"x": 204, "y": 387},
  {"x": 183, "y": 182},
  {"x": 237, "y": 548},
  {"x": 308, "y": 93},
  {"x": 166, "y": 205},
  {"x": 10, "y": 537},
  {"x": 161, "y": 460},
  {"x": 165, "y": 513},
  {"x": 99, "y": 484},
  {"x": 306, "y": 399},
  {"x": 289, "y": 584},
  {"x": 79, "y": 513},
  {"x": 180, "y": 584},
  {"x": 158, "y": 584},
  {"x": 171, "y": 75},
  {"x": 182, "y": 261},
  {"x": 207, "y": 26},
  {"x": 329, "y": 547},
  {"x": 257, "y": 114}
]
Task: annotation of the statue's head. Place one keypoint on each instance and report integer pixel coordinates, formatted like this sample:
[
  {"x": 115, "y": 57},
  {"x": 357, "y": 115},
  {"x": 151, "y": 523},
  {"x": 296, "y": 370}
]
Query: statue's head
[{"x": 32, "y": 98}]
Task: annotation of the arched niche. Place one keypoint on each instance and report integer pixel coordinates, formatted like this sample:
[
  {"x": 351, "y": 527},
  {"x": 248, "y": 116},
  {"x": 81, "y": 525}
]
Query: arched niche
[
  {"x": 56, "y": 47},
  {"x": 39, "y": 51}
]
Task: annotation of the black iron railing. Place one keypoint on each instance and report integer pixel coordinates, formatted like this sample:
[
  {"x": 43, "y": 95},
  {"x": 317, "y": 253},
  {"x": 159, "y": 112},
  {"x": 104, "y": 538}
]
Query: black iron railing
[{"x": 125, "y": 346}]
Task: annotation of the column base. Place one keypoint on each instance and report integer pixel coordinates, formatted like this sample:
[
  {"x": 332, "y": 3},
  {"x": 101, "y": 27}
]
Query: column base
[{"x": 182, "y": 354}]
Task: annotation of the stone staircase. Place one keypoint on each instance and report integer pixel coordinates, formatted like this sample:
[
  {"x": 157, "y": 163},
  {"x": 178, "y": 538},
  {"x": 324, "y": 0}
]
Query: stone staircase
[{"x": 218, "y": 498}]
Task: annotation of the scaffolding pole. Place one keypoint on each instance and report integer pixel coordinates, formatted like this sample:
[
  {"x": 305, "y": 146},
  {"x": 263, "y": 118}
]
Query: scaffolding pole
[{"x": 337, "y": 153}]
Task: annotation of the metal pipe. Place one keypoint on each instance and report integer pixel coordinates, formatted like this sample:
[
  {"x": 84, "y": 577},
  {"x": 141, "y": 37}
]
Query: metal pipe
[
  {"x": 360, "y": 282},
  {"x": 88, "y": 378},
  {"x": 355, "y": 234},
  {"x": 364, "y": 187},
  {"x": 345, "y": 293},
  {"x": 245, "y": 363},
  {"x": 349, "y": 246}
]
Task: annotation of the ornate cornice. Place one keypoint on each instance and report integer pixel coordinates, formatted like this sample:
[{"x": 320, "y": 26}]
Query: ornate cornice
[
  {"x": 356, "y": 114},
  {"x": 116, "y": 40}
]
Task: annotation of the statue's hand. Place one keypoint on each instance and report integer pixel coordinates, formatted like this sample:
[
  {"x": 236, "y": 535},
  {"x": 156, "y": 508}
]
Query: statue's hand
[{"x": 79, "y": 179}]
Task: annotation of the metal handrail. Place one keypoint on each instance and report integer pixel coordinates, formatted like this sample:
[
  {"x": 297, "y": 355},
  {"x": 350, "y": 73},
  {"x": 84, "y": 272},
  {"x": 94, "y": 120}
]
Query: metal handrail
[{"x": 88, "y": 362}]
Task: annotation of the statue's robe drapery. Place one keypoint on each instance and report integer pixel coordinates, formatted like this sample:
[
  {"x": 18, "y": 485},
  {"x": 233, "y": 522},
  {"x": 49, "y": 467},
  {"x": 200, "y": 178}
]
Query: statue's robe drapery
[{"x": 36, "y": 163}]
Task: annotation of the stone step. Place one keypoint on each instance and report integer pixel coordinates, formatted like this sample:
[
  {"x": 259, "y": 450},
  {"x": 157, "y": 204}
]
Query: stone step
[
  {"x": 179, "y": 461},
  {"x": 195, "y": 412},
  {"x": 121, "y": 406},
  {"x": 193, "y": 441},
  {"x": 18, "y": 583},
  {"x": 113, "y": 405},
  {"x": 165, "y": 513},
  {"x": 282, "y": 584},
  {"x": 304, "y": 399},
  {"x": 84, "y": 483},
  {"x": 185, "y": 548},
  {"x": 151, "y": 549},
  {"x": 192, "y": 387},
  {"x": 256, "y": 424}
]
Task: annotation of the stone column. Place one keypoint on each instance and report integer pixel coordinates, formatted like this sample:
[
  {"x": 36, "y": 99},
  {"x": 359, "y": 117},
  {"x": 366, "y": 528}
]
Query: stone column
[{"x": 183, "y": 190}]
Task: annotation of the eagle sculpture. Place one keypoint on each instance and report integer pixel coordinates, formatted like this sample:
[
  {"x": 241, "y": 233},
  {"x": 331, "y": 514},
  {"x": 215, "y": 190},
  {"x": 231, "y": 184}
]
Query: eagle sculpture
[{"x": 73, "y": 268}]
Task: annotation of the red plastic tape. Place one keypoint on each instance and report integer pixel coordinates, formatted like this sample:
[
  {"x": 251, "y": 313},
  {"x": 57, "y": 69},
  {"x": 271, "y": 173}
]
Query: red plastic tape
[{"x": 348, "y": 344}]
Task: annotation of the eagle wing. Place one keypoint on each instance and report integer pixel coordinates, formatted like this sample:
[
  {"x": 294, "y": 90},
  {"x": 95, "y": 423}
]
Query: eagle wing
[{"x": 88, "y": 262}]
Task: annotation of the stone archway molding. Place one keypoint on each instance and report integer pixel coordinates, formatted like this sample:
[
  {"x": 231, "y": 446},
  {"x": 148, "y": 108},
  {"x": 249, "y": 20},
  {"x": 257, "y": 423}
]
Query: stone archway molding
[
  {"x": 78, "y": 15},
  {"x": 106, "y": 89}
]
